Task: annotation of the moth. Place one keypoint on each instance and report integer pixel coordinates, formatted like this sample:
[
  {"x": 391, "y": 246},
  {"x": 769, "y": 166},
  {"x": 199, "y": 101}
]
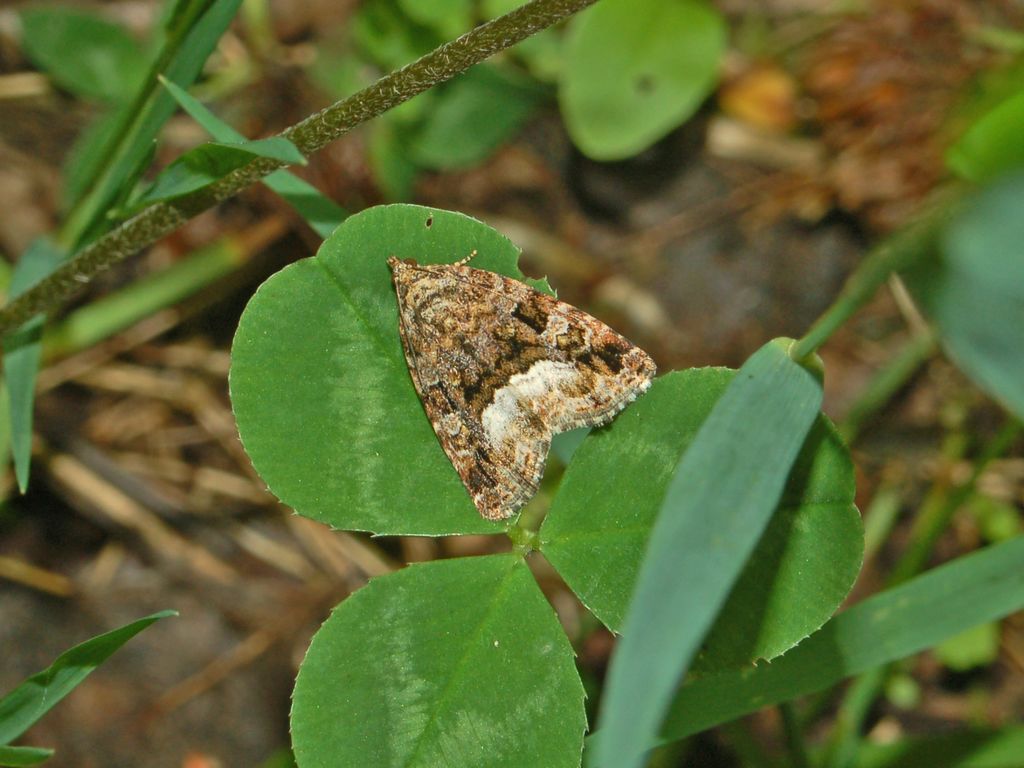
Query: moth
[{"x": 501, "y": 367}]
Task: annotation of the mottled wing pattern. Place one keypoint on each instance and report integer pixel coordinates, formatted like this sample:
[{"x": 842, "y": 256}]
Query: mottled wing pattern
[{"x": 501, "y": 367}]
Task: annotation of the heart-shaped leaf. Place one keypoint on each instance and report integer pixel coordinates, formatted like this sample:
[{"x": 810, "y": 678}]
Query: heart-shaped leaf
[
  {"x": 456, "y": 662},
  {"x": 321, "y": 391},
  {"x": 802, "y": 568},
  {"x": 636, "y": 69}
]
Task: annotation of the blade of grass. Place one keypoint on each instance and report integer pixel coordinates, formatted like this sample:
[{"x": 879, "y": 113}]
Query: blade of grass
[
  {"x": 203, "y": 165},
  {"x": 962, "y": 749},
  {"x": 16, "y": 757},
  {"x": 932, "y": 520},
  {"x": 723, "y": 493},
  {"x": 321, "y": 213},
  {"x": 887, "y": 382},
  {"x": 880, "y": 517},
  {"x": 983, "y": 586},
  {"x": 23, "y": 706},
  {"x": 973, "y": 290},
  {"x": 193, "y": 32},
  {"x": 794, "y": 736},
  {"x": 853, "y": 711},
  {"x": 106, "y": 316},
  {"x": 937, "y": 511},
  {"x": 21, "y": 355}
]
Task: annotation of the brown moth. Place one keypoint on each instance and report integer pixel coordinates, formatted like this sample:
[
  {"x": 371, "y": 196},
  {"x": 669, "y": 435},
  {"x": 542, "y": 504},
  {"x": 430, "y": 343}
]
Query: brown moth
[{"x": 501, "y": 367}]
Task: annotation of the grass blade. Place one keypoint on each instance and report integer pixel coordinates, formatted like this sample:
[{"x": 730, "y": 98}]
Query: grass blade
[
  {"x": 115, "y": 171},
  {"x": 319, "y": 211},
  {"x": 975, "y": 748},
  {"x": 21, "y": 355},
  {"x": 16, "y": 757},
  {"x": 23, "y": 706},
  {"x": 899, "y": 622},
  {"x": 724, "y": 491}
]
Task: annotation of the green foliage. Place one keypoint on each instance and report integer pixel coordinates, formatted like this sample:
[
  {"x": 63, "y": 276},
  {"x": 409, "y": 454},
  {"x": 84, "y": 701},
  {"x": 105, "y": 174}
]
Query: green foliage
[
  {"x": 974, "y": 647},
  {"x": 33, "y": 698},
  {"x": 392, "y": 678},
  {"x": 636, "y": 69},
  {"x": 721, "y": 496},
  {"x": 628, "y": 75},
  {"x": 901, "y": 690},
  {"x": 113, "y": 167},
  {"x": 321, "y": 213},
  {"x": 455, "y": 125},
  {"x": 320, "y": 389},
  {"x": 542, "y": 54},
  {"x": 997, "y": 520},
  {"x": 992, "y": 145},
  {"x": 106, "y": 167},
  {"x": 86, "y": 156},
  {"x": 23, "y": 756},
  {"x": 393, "y": 169},
  {"x": 979, "y": 748},
  {"x": 200, "y": 167},
  {"x": 448, "y": 18},
  {"x": 386, "y": 36},
  {"x": 462, "y": 661},
  {"x": 22, "y": 352},
  {"x": 84, "y": 54},
  {"x": 477, "y": 112},
  {"x": 803, "y": 566},
  {"x": 327, "y": 412},
  {"x": 973, "y": 290},
  {"x": 894, "y": 624}
]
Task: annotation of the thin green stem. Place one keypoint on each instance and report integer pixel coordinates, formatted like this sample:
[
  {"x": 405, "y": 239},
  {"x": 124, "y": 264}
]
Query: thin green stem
[
  {"x": 258, "y": 27},
  {"x": 880, "y": 517},
  {"x": 525, "y": 532},
  {"x": 794, "y": 736},
  {"x": 311, "y": 134},
  {"x": 887, "y": 382},
  {"x": 900, "y": 251},
  {"x": 936, "y": 512},
  {"x": 854, "y": 710},
  {"x": 749, "y": 751}
]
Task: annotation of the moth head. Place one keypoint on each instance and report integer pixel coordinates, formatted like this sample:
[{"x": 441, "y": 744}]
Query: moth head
[{"x": 394, "y": 261}]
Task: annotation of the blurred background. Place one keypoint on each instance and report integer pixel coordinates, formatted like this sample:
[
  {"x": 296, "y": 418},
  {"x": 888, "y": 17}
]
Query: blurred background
[{"x": 724, "y": 212}]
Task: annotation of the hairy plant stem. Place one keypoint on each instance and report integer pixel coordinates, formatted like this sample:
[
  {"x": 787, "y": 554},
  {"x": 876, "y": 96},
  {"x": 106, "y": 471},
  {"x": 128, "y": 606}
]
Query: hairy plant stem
[{"x": 311, "y": 134}]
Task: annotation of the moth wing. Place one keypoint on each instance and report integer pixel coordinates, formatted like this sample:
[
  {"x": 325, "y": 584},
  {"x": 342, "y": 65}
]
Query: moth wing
[
  {"x": 500, "y": 368},
  {"x": 500, "y": 477},
  {"x": 444, "y": 351}
]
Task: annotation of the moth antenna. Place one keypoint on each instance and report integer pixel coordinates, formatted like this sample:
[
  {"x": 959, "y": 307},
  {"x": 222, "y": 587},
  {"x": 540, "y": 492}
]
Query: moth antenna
[{"x": 463, "y": 262}]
